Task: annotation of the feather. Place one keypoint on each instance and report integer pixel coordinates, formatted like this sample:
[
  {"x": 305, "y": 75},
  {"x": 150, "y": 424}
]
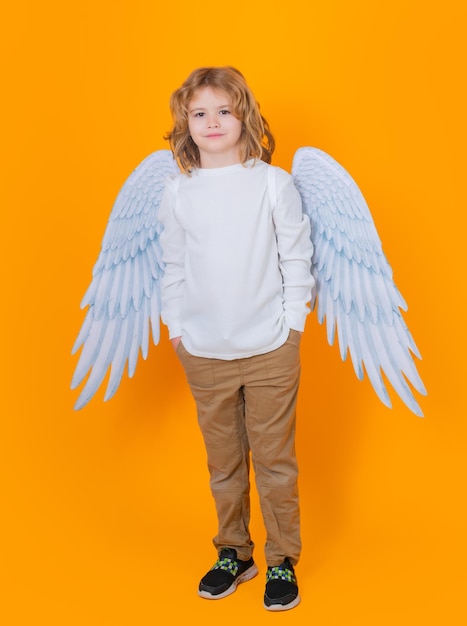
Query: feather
[
  {"x": 123, "y": 296},
  {"x": 354, "y": 287}
]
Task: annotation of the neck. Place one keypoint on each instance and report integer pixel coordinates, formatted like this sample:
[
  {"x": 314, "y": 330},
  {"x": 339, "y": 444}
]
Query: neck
[{"x": 211, "y": 161}]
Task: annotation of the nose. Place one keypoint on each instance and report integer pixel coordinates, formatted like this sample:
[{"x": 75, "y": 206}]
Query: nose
[{"x": 213, "y": 121}]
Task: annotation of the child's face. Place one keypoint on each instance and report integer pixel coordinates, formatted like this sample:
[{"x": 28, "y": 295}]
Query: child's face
[{"x": 214, "y": 128}]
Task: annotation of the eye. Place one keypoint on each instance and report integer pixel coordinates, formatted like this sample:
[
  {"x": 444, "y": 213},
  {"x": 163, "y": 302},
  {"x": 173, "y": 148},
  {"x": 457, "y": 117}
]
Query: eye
[
  {"x": 224, "y": 112},
  {"x": 199, "y": 114}
]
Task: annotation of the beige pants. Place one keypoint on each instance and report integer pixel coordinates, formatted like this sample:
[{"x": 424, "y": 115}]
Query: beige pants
[{"x": 249, "y": 404}]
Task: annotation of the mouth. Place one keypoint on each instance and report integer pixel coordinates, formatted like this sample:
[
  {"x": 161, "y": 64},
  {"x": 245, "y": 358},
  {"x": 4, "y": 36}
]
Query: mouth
[{"x": 214, "y": 135}]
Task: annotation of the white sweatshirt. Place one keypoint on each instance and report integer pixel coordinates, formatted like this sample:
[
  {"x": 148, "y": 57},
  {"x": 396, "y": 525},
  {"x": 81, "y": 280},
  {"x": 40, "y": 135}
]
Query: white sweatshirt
[{"x": 237, "y": 274}]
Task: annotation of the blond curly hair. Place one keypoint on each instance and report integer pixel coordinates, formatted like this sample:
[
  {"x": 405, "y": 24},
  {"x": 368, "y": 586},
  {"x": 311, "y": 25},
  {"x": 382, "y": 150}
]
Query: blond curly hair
[{"x": 256, "y": 140}]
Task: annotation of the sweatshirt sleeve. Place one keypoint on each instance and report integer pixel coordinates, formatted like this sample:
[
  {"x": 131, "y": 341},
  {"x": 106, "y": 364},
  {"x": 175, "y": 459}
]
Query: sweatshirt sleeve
[
  {"x": 172, "y": 241},
  {"x": 295, "y": 251}
]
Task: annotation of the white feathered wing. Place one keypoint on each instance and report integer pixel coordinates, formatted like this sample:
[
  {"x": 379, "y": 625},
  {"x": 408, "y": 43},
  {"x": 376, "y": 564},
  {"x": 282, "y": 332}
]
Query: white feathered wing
[
  {"x": 354, "y": 284},
  {"x": 124, "y": 295}
]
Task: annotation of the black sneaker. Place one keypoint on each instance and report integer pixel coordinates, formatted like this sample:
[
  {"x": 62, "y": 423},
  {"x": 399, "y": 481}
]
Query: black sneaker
[
  {"x": 281, "y": 588},
  {"x": 226, "y": 573}
]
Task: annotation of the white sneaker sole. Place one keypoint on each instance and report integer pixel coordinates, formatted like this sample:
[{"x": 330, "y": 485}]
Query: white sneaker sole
[{"x": 247, "y": 575}]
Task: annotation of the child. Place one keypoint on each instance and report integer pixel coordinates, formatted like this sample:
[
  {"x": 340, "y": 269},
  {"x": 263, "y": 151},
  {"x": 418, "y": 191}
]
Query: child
[{"x": 235, "y": 298}]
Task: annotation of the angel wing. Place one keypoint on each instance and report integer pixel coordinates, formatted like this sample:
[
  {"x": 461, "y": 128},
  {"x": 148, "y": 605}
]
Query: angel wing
[
  {"x": 354, "y": 282},
  {"x": 124, "y": 294}
]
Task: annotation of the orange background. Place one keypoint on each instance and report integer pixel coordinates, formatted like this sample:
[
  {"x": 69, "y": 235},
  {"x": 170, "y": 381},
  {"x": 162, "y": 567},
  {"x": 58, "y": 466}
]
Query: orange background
[{"x": 107, "y": 517}]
